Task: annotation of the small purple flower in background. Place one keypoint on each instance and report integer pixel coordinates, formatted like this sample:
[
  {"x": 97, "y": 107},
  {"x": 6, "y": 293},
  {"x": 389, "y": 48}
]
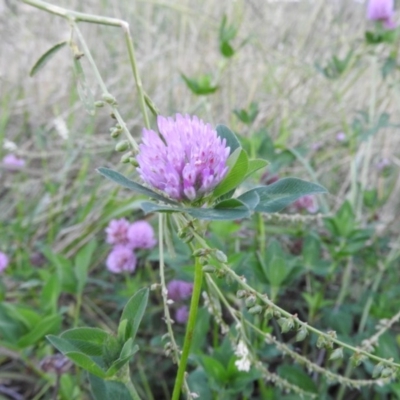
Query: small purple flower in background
[
  {"x": 179, "y": 290},
  {"x": 121, "y": 259},
  {"x": 341, "y": 137},
  {"x": 317, "y": 146},
  {"x": 3, "y": 261},
  {"x": 182, "y": 315},
  {"x": 308, "y": 203},
  {"x": 13, "y": 163},
  {"x": 117, "y": 231},
  {"x": 381, "y": 10},
  {"x": 382, "y": 164},
  {"x": 188, "y": 162},
  {"x": 141, "y": 235}
]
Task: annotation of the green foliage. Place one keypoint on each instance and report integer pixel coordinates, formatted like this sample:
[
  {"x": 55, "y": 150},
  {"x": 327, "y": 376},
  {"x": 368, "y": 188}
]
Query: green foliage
[
  {"x": 247, "y": 116},
  {"x": 127, "y": 183},
  {"x": 202, "y": 85},
  {"x": 231, "y": 139},
  {"x": 226, "y": 34},
  {"x": 84, "y": 91},
  {"x": 46, "y": 57},
  {"x": 279, "y": 195}
]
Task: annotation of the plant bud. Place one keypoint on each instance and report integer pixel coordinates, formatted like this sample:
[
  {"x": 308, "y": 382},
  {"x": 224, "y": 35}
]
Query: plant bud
[
  {"x": 301, "y": 334},
  {"x": 286, "y": 324},
  {"x": 209, "y": 269},
  {"x": 122, "y": 146},
  {"x": 337, "y": 354},
  {"x": 221, "y": 256},
  {"x": 115, "y": 133},
  {"x": 201, "y": 252},
  {"x": 125, "y": 158},
  {"x": 250, "y": 301},
  {"x": 268, "y": 313},
  {"x": 386, "y": 372},
  {"x": 109, "y": 98},
  {"x": 99, "y": 104},
  {"x": 188, "y": 238},
  {"x": 132, "y": 160},
  {"x": 203, "y": 260},
  {"x": 256, "y": 309},
  {"x": 240, "y": 294}
]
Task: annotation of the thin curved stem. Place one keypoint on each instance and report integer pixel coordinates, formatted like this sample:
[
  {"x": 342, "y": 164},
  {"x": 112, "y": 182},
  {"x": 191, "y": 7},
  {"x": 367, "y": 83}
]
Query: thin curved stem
[{"x": 263, "y": 298}]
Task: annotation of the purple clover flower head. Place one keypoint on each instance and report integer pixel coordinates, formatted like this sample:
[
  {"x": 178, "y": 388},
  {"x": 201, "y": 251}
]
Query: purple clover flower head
[
  {"x": 141, "y": 235},
  {"x": 12, "y": 163},
  {"x": 121, "y": 259},
  {"x": 179, "y": 290},
  {"x": 117, "y": 232},
  {"x": 182, "y": 315},
  {"x": 381, "y": 10},
  {"x": 3, "y": 261},
  {"x": 188, "y": 161},
  {"x": 308, "y": 203},
  {"x": 341, "y": 137}
]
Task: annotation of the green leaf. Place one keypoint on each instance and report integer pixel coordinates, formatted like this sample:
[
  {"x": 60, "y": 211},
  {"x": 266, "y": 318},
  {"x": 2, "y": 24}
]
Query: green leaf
[
  {"x": 46, "y": 57},
  {"x": 280, "y": 194},
  {"x": 127, "y": 351},
  {"x": 84, "y": 92},
  {"x": 50, "y": 324},
  {"x": 238, "y": 164},
  {"x": 297, "y": 377},
  {"x": 86, "y": 334},
  {"x": 127, "y": 183},
  {"x": 88, "y": 341},
  {"x": 85, "y": 362},
  {"x": 82, "y": 263},
  {"x": 251, "y": 199},
  {"x": 247, "y": 116},
  {"x": 226, "y": 34},
  {"x": 200, "y": 86},
  {"x": 106, "y": 390},
  {"x": 50, "y": 293},
  {"x": 214, "y": 369},
  {"x": 134, "y": 311},
  {"x": 255, "y": 165},
  {"x": 231, "y": 140},
  {"x": 78, "y": 355},
  {"x": 241, "y": 211}
]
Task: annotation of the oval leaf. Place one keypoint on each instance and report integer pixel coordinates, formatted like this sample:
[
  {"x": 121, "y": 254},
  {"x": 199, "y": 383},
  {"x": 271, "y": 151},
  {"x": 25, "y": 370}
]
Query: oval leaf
[
  {"x": 235, "y": 174},
  {"x": 255, "y": 165},
  {"x": 127, "y": 183},
  {"x": 231, "y": 140},
  {"x": 238, "y": 212},
  {"x": 46, "y": 57},
  {"x": 134, "y": 311},
  {"x": 280, "y": 194}
]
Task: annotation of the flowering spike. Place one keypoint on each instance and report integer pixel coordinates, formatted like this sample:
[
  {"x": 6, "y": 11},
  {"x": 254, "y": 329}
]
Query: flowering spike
[{"x": 187, "y": 161}]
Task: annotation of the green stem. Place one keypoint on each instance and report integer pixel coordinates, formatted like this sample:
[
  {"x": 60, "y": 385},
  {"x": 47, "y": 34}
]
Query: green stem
[
  {"x": 345, "y": 283},
  {"x": 131, "y": 389},
  {"x": 194, "y": 304},
  {"x": 138, "y": 81}
]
